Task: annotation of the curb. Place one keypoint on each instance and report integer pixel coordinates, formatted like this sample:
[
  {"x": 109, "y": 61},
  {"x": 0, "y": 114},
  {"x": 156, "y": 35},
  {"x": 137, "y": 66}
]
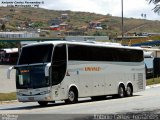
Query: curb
[
  {"x": 152, "y": 86},
  {"x": 9, "y": 101}
]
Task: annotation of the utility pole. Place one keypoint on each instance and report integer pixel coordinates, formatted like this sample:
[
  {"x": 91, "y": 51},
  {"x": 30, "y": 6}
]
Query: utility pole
[{"x": 122, "y": 20}]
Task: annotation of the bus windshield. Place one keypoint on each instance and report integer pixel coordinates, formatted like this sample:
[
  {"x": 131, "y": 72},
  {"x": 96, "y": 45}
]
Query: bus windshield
[{"x": 36, "y": 54}]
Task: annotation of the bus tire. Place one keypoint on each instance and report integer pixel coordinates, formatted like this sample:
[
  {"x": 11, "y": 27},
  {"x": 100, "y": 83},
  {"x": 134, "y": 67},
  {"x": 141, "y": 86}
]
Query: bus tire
[
  {"x": 72, "y": 96},
  {"x": 43, "y": 103},
  {"x": 129, "y": 91},
  {"x": 121, "y": 91}
]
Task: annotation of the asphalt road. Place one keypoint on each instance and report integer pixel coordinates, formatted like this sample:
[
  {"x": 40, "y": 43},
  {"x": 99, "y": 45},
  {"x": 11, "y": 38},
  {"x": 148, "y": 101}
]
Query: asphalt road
[
  {"x": 7, "y": 85},
  {"x": 146, "y": 103}
]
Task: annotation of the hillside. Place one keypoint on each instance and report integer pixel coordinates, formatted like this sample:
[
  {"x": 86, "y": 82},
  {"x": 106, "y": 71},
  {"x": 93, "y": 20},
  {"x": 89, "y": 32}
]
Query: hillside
[{"x": 81, "y": 22}]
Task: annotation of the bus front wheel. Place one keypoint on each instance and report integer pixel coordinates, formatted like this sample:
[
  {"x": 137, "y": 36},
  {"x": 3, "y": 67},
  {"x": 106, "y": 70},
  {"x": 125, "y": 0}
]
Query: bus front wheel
[
  {"x": 43, "y": 103},
  {"x": 72, "y": 97}
]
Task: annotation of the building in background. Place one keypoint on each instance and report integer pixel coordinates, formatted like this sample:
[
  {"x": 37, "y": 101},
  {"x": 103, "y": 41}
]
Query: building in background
[
  {"x": 19, "y": 35},
  {"x": 87, "y": 38}
]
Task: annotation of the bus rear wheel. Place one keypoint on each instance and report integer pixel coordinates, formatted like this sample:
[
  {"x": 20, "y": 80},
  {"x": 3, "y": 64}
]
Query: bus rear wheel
[
  {"x": 43, "y": 103},
  {"x": 72, "y": 97},
  {"x": 121, "y": 91},
  {"x": 129, "y": 91}
]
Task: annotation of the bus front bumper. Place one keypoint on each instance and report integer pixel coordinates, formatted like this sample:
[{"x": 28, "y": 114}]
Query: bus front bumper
[{"x": 34, "y": 98}]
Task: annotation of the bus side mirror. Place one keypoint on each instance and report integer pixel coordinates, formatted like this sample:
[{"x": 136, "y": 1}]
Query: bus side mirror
[
  {"x": 47, "y": 69},
  {"x": 9, "y": 71}
]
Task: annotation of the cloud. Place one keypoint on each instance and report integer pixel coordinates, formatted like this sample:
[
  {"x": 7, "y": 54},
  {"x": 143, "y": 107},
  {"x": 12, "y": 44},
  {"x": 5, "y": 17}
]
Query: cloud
[
  {"x": 136, "y": 8},
  {"x": 75, "y": 5},
  {"x": 131, "y": 8}
]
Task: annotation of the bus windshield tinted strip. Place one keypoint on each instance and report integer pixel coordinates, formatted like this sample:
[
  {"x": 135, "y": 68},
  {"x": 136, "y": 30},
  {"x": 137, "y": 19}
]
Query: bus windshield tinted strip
[{"x": 36, "y": 54}]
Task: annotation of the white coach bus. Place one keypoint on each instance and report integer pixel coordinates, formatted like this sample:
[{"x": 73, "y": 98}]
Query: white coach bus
[{"x": 62, "y": 70}]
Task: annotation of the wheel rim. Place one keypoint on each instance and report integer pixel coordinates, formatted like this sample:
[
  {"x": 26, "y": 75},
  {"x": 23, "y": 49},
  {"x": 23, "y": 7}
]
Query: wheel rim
[{"x": 71, "y": 96}]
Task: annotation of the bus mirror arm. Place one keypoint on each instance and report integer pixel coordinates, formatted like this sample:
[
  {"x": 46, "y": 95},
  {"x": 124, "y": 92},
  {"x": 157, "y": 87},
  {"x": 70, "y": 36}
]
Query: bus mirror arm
[
  {"x": 47, "y": 69},
  {"x": 9, "y": 71}
]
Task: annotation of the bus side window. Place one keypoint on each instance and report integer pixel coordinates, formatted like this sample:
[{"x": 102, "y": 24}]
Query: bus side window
[{"x": 59, "y": 63}]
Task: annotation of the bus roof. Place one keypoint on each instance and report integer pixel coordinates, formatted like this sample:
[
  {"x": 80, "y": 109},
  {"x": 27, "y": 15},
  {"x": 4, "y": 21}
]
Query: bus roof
[{"x": 87, "y": 43}]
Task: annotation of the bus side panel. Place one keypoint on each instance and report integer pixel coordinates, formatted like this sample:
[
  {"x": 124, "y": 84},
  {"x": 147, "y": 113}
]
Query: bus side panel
[
  {"x": 139, "y": 79},
  {"x": 91, "y": 79},
  {"x": 117, "y": 73}
]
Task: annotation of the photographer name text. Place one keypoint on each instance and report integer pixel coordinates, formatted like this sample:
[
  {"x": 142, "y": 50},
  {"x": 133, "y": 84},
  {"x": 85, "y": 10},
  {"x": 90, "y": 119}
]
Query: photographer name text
[{"x": 22, "y": 3}]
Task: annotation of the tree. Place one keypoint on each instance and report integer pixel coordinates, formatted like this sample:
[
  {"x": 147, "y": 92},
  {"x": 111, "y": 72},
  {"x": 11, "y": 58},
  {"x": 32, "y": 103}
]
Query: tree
[
  {"x": 8, "y": 45},
  {"x": 157, "y": 5}
]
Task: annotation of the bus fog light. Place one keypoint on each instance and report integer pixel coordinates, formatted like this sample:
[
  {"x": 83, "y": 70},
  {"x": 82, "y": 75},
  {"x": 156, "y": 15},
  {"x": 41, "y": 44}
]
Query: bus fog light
[{"x": 48, "y": 98}]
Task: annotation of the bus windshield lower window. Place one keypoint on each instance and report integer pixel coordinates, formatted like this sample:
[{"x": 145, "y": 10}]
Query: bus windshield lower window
[{"x": 31, "y": 77}]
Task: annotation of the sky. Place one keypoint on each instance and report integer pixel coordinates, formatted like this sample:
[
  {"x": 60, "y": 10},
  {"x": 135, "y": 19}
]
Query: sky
[{"x": 131, "y": 8}]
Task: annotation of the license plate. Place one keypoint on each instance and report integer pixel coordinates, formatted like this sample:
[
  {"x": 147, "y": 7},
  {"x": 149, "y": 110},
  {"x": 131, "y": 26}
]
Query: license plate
[{"x": 31, "y": 98}]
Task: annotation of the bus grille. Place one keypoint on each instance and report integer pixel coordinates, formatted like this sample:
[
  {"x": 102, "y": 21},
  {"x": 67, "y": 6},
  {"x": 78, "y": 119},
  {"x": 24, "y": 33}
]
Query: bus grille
[{"x": 140, "y": 81}]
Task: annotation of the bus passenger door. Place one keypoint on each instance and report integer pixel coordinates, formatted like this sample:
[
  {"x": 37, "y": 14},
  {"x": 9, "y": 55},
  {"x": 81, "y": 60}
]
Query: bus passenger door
[{"x": 58, "y": 70}]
